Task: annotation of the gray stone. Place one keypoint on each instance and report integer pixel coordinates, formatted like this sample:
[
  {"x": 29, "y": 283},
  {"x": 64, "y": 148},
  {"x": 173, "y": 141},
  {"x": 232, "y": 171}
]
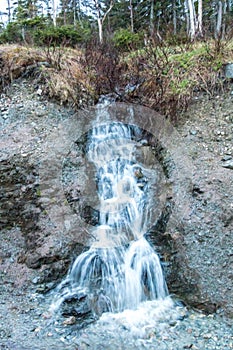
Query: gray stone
[
  {"x": 228, "y": 164},
  {"x": 229, "y": 70}
]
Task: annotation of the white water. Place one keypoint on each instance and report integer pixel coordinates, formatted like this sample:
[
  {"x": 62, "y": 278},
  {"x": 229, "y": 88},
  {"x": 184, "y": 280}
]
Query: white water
[{"x": 120, "y": 270}]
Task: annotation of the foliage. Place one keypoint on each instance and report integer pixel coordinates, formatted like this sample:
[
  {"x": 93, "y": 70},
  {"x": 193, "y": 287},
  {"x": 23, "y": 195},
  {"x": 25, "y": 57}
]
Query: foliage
[
  {"x": 64, "y": 35},
  {"x": 12, "y": 33},
  {"x": 22, "y": 30},
  {"x": 125, "y": 40},
  {"x": 165, "y": 77}
]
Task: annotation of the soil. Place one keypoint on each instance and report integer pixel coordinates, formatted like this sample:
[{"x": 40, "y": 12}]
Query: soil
[{"x": 35, "y": 254}]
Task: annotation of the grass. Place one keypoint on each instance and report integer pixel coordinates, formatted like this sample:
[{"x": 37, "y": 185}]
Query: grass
[{"x": 166, "y": 77}]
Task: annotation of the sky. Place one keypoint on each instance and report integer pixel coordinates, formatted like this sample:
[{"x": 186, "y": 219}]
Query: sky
[{"x": 3, "y": 6}]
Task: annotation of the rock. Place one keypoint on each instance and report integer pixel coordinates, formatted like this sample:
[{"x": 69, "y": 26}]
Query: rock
[
  {"x": 69, "y": 321},
  {"x": 228, "y": 164},
  {"x": 207, "y": 336},
  {"x": 36, "y": 280},
  {"x": 229, "y": 70},
  {"x": 226, "y": 157},
  {"x": 39, "y": 92}
]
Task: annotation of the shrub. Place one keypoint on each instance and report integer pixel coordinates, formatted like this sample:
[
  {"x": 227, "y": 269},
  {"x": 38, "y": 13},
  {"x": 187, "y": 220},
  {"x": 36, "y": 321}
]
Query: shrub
[
  {"x": 22, "y": 30},
  {"x": 12, "y": 33},
  {"x": 65, "y": 35},
  {"x": 125, "y": 40}
]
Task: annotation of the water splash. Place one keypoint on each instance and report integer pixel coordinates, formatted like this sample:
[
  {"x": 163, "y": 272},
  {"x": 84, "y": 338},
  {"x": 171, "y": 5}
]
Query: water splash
[{"x": 120, "y": 270}]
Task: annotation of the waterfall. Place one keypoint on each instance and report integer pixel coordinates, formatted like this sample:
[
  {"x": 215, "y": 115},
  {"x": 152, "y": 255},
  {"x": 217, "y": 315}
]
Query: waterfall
[{"x": 120, "y": 269}]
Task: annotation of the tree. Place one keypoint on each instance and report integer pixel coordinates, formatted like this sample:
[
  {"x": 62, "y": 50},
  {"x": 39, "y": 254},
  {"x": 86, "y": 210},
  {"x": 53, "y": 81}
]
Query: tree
[
  {"x": 199, "y": 18},
  {"x": 131, "y": 16},
  {"x": 152, "y": 21},
  {"x": 174, "y": 17},
  {"x": 220, "y": 22},
  {"x": 9, "y": 10},
  {"x": 191, "y": 25},
  {"x": 54, "y": 13},
  {"x": 101, "y": 12}
]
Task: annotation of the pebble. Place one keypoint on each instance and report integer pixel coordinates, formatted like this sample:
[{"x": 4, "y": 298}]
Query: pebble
[
  {"x": 228, "y": 164},
  {"x": 69, "y": 321},
  {"x": 226, "y": 158},
  {"x": 193, "y": 132}
]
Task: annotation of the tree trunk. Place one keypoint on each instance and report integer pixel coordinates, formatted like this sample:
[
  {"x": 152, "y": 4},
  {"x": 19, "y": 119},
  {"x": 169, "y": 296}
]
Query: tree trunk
[
  {"x": 54, "y": 14},
  {"x": 192, "y": 19},
  {"x": 224, "y": 19},
  {"x": 199, "y": 18},
  {"x": 9, "y": 10},
  {"x": 100, "y": 27},
  {"x": 219, "y": 19},
  {"x": 131, "y": 16},
  {"x": 174, "y": 17},
  {"x": 74, "y": 12},
  {"x": 152, "y": 22},
  {"x": 99, "y": 21},
  {"x": 101, "y": 18},
  {"x": 79, "y": 13},
  {"x": 186, "y": 13}
]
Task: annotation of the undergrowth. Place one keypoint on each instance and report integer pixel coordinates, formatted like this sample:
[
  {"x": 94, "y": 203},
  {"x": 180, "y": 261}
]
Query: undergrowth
[{"x": 160, "y": 76}]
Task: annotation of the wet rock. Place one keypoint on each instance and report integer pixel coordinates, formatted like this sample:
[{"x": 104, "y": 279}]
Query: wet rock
[
  {"x": 228, "y": 164},
  {"x": 226, "y": 158},
  {"x": 76, "y": 305},
  {"x": 70, "y": 321}
]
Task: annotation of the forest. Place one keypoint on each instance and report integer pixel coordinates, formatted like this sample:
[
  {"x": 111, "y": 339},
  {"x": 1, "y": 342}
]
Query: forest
[
  {"x": 157, "y": 53},
  {"x": 77, "y": 20}
]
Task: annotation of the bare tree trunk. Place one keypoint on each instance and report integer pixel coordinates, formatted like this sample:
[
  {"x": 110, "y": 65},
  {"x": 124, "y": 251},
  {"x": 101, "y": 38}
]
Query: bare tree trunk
[
  {"x": 186, "y": 12},
  {"x": 199, "y": 18},
  {"x": 131, "y": 16},
  {"x": 64, "y": 6},
  {"x": 224, "y": 19},
  {"x": 192, "y": 19},
  {"x": 74, "y": 11},
  {"x": 79, "y": 12},
  {"x": 152, "y": 20},
  {"x": 9, "y": 10},
  {"x": 174, "y": 17},
  {"x": 219, "y": 19},
  {"x": 54, "y": 14},
  {"x": 101, "y": 18}
]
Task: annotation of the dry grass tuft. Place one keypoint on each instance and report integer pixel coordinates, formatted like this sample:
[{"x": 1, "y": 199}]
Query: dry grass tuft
[
  {"x": 165, "y": 78},
  {"x": 57, "y": 71},
  {"x": 162, "y": 77}
]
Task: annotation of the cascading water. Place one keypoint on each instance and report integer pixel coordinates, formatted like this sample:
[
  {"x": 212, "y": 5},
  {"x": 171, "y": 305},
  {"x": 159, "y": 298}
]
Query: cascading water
[{"x": 121, "y": 269}]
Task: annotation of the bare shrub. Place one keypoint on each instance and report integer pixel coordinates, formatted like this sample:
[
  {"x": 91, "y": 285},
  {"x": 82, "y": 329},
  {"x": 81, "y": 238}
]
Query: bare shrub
[{"x": 101, "y": 63}]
